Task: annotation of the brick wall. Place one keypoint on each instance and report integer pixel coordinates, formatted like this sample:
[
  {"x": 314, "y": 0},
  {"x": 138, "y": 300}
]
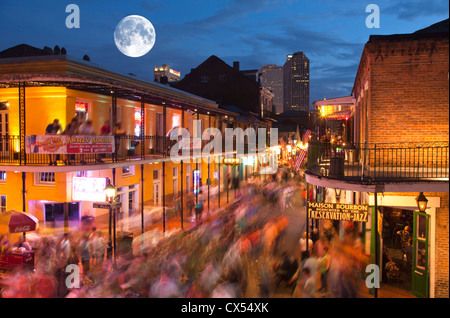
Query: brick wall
[
  {"x": 408, "y": 90},
  {"x": 442, "y": 248},
  {"x": 441, "y": 289}
]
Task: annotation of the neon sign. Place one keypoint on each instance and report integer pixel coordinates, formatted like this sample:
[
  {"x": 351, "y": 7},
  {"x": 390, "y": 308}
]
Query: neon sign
[
  {"x": 81, "y": 107},
  {"x": 89, "y": 189},
  {"x": 196, "y": 180}
]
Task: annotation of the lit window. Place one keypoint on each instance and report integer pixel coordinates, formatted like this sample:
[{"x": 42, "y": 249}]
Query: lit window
[
  {"x": 128, "y": 171},
  {"x": 2, "y": 203},
  {"x": 137, "y": 122},
  {"x": 81, "y": 174},
  {"x": 2, "y": 176},
  {"x": 176, "y": 121},
  {"x": 45, "y": 178}
]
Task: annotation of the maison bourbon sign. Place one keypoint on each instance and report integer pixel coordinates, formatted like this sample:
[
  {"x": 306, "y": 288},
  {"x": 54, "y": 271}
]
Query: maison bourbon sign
[{"x": 338, "y": 211}]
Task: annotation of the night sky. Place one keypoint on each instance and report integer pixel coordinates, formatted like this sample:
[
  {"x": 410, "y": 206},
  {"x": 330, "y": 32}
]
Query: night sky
[{"x": 255, "y": 32}]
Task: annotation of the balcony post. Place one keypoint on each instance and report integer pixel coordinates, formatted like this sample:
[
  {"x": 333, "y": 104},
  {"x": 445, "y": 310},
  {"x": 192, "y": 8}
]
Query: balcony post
[
  {"x": 142, "y": 129},
  {"x": 182, "y": 179},
  {"x": 164, "y": 130},
  {"x": 22, "y": 124}
]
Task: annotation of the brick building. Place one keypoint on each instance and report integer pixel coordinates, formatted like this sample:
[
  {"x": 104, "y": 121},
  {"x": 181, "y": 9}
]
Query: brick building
[
  {"x": 216, "y": 80},
  {"x": 401, "y": 132}
]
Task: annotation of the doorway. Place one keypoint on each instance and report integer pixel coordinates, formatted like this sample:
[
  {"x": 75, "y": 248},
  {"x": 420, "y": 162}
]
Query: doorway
[
  {"x": 397, "y": 247},
  {"x": 4, "y": 131}
]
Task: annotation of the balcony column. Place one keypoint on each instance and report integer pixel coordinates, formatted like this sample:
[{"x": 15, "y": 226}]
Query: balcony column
[
  {"x": 164, "y": 130},
  {"x": 114, "y": 122},
  {"x": 209, "y": 166},
  {"x": 142, "y": 132},
  {"x": 22, "y": 124},
  {"x": 181, "y": 176},
  {"x": 164, "y": 194},
  {"x": 196, "y": 160}
]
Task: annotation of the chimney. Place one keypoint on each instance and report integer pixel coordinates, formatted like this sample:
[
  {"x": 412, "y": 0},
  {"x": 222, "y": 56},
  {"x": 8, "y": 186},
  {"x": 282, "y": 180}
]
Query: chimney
[{"x": 236, "y": 66}]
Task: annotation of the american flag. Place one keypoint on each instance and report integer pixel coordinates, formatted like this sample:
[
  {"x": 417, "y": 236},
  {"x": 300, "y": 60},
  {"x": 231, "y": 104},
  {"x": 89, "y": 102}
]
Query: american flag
[
  {"x": 302, "y": 155},
  {"x": 306, "y": 136}
]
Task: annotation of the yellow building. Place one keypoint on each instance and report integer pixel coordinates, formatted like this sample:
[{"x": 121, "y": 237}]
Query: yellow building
[{"x": 36, "y": 90}]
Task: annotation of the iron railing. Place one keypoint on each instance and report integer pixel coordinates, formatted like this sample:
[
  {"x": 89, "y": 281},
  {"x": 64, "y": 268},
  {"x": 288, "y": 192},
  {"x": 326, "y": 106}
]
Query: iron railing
[
  {"x": 127, "y": 148},
  {"x": 380, "y": 162}
]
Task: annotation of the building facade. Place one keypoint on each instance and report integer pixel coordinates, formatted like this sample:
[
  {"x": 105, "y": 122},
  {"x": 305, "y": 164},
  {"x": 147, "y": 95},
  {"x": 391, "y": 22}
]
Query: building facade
[
  {"x": 36, "y": 90},
  {"x": 272, "y": 79},
  {"x": 296, "y": 82},
  {"x": 400, "y": 150},
  {"x": 164, "y": 74}
]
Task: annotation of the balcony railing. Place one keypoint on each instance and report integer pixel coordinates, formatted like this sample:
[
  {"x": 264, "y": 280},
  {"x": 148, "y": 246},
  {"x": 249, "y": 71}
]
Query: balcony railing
[
  {"x": 127, "y": 148},
  {"x": 380, "y": 162}
]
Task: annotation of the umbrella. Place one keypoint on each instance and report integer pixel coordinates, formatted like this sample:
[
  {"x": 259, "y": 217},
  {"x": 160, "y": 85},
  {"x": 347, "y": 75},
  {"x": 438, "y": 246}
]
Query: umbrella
[{"x": 17, "y": 222}]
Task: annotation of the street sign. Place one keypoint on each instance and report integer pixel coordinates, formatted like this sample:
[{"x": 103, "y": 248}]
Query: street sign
[
  {"x": 338, "y": 211},
  {"x": 101, "y": 205}
]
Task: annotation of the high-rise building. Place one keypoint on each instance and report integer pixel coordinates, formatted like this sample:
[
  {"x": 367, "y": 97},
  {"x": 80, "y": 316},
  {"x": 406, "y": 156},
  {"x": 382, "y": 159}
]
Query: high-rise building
[
  {"x": 272, "y": 79},
  {"x": 164, "y": 74},
  {"x": 296, "y": 82}
]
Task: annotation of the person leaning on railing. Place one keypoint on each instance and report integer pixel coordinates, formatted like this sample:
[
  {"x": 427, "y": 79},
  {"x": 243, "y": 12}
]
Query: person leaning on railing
[
  {"x": 118, "y": 133},
  {"x": 71, "y": 130},
  {"x": 105, "y": 130},
  {"x": 53, "y": 129},
  {"x": 86, "y": 129}
]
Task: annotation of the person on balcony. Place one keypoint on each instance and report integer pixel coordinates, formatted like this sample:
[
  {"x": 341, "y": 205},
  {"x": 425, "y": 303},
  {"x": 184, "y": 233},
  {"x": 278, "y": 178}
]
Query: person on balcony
[
  {"x": 53, "y": 129},
  {"x": 71, "y": 130},
  {"x": 105, "y": 130},
  {"x": 86, "y": 129},
  {"x": 118, "y": 133}
]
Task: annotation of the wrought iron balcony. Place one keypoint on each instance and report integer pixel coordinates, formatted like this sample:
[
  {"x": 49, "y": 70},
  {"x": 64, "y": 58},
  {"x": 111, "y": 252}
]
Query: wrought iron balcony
[
  {"x": 380, "y": 162},
  {"x": 128, "y": 148}
]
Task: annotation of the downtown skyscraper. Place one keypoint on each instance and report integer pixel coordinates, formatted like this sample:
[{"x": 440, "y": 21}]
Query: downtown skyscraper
[
  {"x": 272, "y": 79},
  {"x": 296, "y": 82}
]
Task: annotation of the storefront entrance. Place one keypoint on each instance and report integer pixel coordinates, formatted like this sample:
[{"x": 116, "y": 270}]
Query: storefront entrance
[{"x": 405, "y": 250}]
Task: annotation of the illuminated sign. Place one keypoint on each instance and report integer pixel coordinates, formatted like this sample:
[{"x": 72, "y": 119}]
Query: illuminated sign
[
  {"x": 81, "y": 107},
  {"x": 338, "y": 211},
  {"x": 196, "y": 180},
  {"x": 176, "y": 121},
  {"x": 174, "y": 72},
  {"x": 89, "y": 189},
  {"x": 248, "y": 161},
  {"x": 137, "y": 122}
]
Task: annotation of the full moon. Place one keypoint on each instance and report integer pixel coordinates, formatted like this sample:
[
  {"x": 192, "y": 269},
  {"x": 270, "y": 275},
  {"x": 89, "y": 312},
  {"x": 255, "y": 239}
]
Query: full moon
[{"x": 134, "y": 36}]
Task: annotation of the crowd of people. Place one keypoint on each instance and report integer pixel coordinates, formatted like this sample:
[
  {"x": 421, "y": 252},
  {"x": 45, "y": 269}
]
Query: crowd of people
[
  {"x": 85, "y": 128},
  {"x": 239, "y": 251}
]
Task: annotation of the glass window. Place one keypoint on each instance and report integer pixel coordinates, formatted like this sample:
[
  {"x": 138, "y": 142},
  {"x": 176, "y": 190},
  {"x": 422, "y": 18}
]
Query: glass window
[
  {"x": 2, "y": 176},
  {"x": 421, "y": 254},
  {"x": 421, "y": 226},
  {"x": 45, "y": 178},
  {"x": 128, "y": 170},
  {"x": 204, "y": 79},
  {"x": 2, "y": 203},
  {"x": 155, "y": 174}
]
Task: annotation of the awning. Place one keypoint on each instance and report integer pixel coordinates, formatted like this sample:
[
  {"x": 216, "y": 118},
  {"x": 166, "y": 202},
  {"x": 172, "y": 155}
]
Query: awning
[{"x": 342, "y": 115}]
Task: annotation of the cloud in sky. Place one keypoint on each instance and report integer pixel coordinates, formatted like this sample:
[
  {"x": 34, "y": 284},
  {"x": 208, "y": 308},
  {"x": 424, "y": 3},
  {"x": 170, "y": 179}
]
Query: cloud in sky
[{"x": 255, "y": 32}]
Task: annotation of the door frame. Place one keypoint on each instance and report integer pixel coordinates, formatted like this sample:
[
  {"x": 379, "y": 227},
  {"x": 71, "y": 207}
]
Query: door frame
[{"x": 408, "y": 202}]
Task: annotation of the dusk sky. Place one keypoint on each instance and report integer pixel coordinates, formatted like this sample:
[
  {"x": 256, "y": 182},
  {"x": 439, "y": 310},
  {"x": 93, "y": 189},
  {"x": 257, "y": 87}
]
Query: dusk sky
[{"x": 332, "y": 34}]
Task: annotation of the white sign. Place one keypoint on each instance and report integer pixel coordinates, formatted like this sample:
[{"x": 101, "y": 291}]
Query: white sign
[{"x": 89, "y": 189}]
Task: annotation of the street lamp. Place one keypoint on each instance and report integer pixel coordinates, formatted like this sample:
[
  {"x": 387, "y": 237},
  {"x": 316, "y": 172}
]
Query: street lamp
[
  {"x": 422, "y": 202},
  {"x": 110, "y": 192}
]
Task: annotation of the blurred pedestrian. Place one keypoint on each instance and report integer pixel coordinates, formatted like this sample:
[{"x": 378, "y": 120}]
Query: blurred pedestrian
[{"x": 53, "y": 129}]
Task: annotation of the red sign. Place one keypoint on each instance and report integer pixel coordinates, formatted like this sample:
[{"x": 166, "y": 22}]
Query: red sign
[
  {"x": 81, "y": 107},
  {"x": 8, "y": 260}
]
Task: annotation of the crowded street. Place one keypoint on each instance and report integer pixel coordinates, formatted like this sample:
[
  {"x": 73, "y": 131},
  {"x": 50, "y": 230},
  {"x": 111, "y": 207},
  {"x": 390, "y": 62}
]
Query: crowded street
[{"x": 250, "y": 248}]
